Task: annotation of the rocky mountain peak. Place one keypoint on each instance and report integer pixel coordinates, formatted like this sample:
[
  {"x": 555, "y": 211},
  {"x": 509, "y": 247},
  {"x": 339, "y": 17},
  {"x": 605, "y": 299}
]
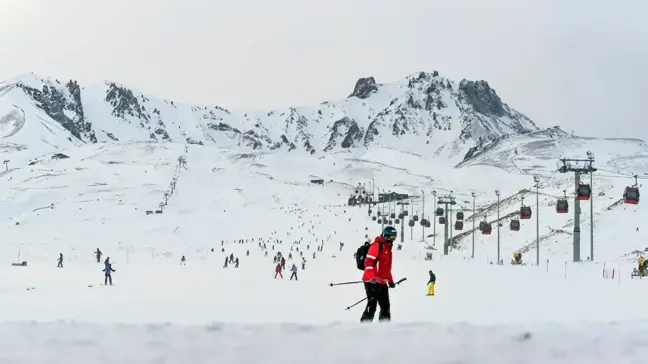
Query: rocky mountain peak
[
  {"x": 364, "y": 88},
  {"x": 423, "y": 112}
]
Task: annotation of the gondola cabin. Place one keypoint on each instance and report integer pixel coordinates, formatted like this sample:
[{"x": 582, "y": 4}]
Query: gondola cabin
[
  {"x": 380, "y": 221},
  {"x": 411, "y": 223},
  {"x": 405, "y": 213},
  {"x": 525, "y": 212},
  {"x": 583, "y": 192},
  {"x": 486, "y": 228},
  {"x": 460, "y": 215},
  {"x": 415, "y": 218},
  {"x": 427, "y": 223},
  {"x": 373, "y": 218},
  {"x": 515, "y": 225},
  {"x": 562, "y": 206},
  {"x": 397, "y": 221},
  {"x": 442, "y": 220},
  {"x": 458, "y": 225},
  {"x": 631, "y": 195},
  {"x": 424, "y": 222},
  {"x": 439, "y": 211},
  {"x": 392, "y": 215}
]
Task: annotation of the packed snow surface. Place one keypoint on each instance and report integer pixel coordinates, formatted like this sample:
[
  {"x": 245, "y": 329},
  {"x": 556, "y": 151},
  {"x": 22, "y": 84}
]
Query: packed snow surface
[{"x": 159, "y": 311}]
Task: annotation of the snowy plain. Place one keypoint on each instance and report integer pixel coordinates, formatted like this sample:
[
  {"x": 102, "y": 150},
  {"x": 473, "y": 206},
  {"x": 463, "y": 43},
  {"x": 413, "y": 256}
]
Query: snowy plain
[{"x": 161, "y": 312}]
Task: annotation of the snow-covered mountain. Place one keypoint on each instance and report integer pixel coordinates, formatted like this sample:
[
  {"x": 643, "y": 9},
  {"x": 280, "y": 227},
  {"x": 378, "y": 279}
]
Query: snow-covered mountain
[{"x": 425, "y": 111}]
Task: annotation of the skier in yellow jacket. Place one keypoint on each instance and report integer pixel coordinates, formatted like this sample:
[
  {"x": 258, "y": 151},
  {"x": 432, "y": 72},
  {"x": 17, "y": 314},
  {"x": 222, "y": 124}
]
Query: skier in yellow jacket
[{"x": 431, "y": 284}]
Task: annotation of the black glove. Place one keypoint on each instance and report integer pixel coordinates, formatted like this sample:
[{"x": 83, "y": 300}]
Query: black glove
[{"x": 392, "y": 285}]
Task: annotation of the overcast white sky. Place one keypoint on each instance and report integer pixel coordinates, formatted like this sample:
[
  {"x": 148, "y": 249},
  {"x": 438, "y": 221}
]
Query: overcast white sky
[{"x": 580, "y": 64}]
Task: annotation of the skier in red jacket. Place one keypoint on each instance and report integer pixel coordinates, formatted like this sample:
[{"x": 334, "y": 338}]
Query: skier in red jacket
[{"x": 377, "y": 276}]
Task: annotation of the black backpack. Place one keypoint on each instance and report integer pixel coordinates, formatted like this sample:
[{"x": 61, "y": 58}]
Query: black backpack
[{"x": 361, "y": 254}]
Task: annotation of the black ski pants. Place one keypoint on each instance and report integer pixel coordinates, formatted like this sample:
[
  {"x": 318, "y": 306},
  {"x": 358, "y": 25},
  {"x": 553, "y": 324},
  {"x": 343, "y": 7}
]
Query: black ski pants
[
  {"x": 107, "y": 278},
  {"x": 377, "y": 294}
]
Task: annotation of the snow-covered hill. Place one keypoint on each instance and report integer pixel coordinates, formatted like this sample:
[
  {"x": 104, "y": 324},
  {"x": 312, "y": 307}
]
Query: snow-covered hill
[{"x": 425, "y": 111}]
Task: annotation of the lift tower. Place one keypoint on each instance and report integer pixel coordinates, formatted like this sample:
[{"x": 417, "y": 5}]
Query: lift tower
[
  {"x": 447, "y": 200},
  {"x": 578, "y": 167}
]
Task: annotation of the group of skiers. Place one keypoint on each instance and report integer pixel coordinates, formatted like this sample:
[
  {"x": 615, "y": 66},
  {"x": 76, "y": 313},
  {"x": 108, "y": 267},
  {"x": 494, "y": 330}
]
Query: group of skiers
[{"x": 107, "y": 270}]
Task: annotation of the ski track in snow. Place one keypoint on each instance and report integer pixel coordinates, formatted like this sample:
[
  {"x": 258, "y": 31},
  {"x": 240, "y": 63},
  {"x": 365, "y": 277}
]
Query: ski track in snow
[{"x": 73, "y": 343}]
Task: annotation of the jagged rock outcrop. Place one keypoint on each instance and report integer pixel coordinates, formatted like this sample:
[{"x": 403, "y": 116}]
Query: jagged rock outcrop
[
  {"x": 427, "y": 110},
  {"x": 364, "y": 88}
]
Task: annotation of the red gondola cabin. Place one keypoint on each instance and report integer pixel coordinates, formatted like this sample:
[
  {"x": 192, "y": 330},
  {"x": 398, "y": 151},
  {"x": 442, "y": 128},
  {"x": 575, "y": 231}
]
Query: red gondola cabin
[
  {"x": 583, "y": 192},
  {"x": 631, "y": 195}
]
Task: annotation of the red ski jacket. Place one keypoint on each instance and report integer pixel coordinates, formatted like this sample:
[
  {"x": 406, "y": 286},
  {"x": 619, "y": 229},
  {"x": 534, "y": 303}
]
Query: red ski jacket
[{"x": 378, "y": 263}]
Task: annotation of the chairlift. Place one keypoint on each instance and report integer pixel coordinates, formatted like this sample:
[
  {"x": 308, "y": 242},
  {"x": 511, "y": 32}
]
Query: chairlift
[
  {"x": 515, "y": 225},
  {"x": 583, "y": 192},
  {"x": 458, "y": 225},
  {"x": 442, "y": 220},
  {"x": 460, "y": 215},
  {"x": 439, "y": 211}
]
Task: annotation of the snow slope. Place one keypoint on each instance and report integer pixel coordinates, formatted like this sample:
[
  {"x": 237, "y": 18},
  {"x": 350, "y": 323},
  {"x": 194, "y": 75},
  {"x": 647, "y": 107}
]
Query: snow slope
[{"x": 159, "y": 311}]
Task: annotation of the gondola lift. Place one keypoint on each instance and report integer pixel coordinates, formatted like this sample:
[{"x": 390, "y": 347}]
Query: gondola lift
[
  {"x": 562, "y": 205},
  {"x": 631, "y": 194},
  {"x": 515, "y": 225},
  {"x": 460, "y": 215},
  {"x": 583, "y": 192},
  {"x": 458, "y": 225},
  {"x": 525, "y": 211}
]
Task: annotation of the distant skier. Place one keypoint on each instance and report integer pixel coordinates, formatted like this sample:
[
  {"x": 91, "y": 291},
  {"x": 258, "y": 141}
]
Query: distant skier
[
  {"x": 60, "y": 261},
  {"x": 236, "y": 262},
  {"x": 283, "y": 263},
  {"x": 226, "y": 262},
  {"x": 98, "y": 254},
  {"x": 293, "y": 269},
  {"x": 107, "y": 274},
  {"x": 183, "y": 260},
  {"x": 303, "y": 264},
  {"x": 278, "y": 271},
  {"x": 431, "y": 283}
]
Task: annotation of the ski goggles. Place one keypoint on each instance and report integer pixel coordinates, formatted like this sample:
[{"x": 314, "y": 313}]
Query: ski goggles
[{"x": 390, "y": 237}]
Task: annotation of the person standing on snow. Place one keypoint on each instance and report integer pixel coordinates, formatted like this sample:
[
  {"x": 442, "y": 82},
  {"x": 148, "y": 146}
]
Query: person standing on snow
[
  {"x": 60, "y": 261},
  {"x": 431, "y": 283},
  {"x": 283, "y": 263},
  {"x": 107, "y": 274},
  {"x": 293, "y": 269},
  {"x": 278, "y": 271},
  {"x": 98, "y": 254},
  {"x": 377, "y": 276}
]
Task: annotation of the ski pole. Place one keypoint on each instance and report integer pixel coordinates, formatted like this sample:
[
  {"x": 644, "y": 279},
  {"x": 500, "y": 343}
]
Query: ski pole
[
  {"x": 343, "y": 283},
  {"x": 355, "y": 304},
  {"x": 364, "y": 299}
]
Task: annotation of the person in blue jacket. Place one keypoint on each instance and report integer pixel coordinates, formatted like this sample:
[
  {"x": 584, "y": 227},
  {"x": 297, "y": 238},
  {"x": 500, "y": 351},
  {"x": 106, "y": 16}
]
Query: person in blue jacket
[{"x": 107, "y": 272}]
